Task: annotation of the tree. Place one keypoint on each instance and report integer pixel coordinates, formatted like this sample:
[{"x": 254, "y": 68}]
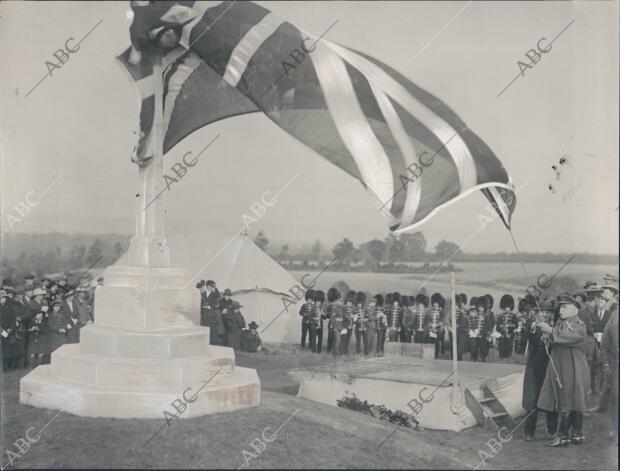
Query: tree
[
  {"x": 415, "y": 246},
  {"x": 283, "y": 255},
  {"x": 372, "y": 252},
  {"x": 395, "y": 249},
  {"x": 317, "y": 249},
  {"x": 261, "y": 240},
  {"x": 76, "y": 256},
  {"x": 446, "y": 250},
  {"x": 344, "y": 252}
]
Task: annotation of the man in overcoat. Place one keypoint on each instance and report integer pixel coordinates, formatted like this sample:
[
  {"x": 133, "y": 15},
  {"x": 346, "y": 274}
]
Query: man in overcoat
[{"x": 568, "y": 377}]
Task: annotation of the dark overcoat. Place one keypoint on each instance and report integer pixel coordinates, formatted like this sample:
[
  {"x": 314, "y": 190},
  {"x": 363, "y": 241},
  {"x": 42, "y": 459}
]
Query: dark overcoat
[
  {"x": 535, "y": 367},
  {"x": 569, "y": 358}
]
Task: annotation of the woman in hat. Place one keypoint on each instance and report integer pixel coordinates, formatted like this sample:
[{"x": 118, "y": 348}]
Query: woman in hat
[
  {"x": 225, "y": 308},
  {"x": 234, "y": 323},
  {"x": 57, "y": 326},
  {"x": 567, "y": 378}
]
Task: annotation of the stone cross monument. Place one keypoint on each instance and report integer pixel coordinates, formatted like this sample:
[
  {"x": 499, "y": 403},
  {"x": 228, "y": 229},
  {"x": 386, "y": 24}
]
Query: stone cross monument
[{"x": 142, "y": 353}]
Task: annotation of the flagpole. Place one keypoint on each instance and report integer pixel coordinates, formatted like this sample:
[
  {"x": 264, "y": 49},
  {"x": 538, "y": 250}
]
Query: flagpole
[
  {"x": 454, "y": 335},
  {"x": 149, "y": 248}
]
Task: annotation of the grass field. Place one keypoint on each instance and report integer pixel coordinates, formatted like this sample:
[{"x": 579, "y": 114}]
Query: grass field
[{"x": 313, "y": 435}]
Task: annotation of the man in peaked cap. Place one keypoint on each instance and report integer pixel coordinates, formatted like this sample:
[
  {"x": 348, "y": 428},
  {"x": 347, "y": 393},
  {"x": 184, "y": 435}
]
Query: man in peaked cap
[
  {"x": 571, "y": 371},
  {"x": 307, "y": 316},
  {"x": 506, "y": 325}
]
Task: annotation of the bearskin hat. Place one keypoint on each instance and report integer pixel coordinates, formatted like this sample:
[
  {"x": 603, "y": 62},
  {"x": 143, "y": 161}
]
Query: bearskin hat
[
  {"x": 396, "y": 297},
  {"x": 463, "y": 297},
  {"x": 507, "y": 302},
  {"x": 350, "y": 297},
  {"x": 309, "y": 294},
  {"x": 422, "y": 299},
  {"x": 388, "y": 299},
  {"x": 319, "y": 296},
  {"x": 489, "y": 301},
  {"x": 411, "y": 300},
  {"x": 523, "y": 305},
  {"x": 482, "y": 301},
  {"x": 332, "y": 295},
  {"x": 379, "y": 299},
  {"x": 404, "y": 300},
  {"x": 360, "y": 298},
  {"x": 437, "y": 298}
]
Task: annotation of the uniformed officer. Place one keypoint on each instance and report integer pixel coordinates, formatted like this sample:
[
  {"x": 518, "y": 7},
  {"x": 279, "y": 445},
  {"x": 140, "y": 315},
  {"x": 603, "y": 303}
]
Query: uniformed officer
[
  {"x": 335, "y": 311},
  {"x": 394, "y": 314},
  {"x": 348, "y": 321},
  {"x": 381, "y": 324},
  {"x": 307, "y": 314},
  {"x": 505, "y": 326},
  {"x": 361, "y": 321},
  {"x": 319, "y": 317},
  {"x": 371, "y": 314},
  {"x": 421, "y": 320},
  {"x": 435, "y": 334},
  {"x": 480, "y": 329}
]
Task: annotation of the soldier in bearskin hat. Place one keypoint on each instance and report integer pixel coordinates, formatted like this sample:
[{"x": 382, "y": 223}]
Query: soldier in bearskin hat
[
  {"x": 520, "y": 340},
  {"x": 435, "y": 331},
  {"x": 335, "y": 312},
  {"x": 421, "y": 319},
  {"x": 462, "y": 326},
  {"x": 349, "y": 321},
  {"x": 505, "y": 326},
  {"x": 394, "y": 317},
  {"x": 319, "y": 317},
  {"x": 307, "y": 318},
  {"x": 480, "y": 329},
  {"x": 381, "y": 323},
  {"x": 371, "y": 313},
  {"x": 361, "y": 321}
]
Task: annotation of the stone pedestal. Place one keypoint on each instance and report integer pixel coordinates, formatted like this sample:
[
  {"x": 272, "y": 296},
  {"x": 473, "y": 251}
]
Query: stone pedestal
[{"x": 141, "y": 354}]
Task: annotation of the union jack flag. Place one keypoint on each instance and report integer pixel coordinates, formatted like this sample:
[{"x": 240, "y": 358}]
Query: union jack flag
[{"x": 410, "y": 151}]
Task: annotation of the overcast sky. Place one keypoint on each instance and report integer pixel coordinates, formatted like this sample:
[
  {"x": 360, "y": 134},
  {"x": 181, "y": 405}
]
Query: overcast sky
[{"x": 80, "y": 125}]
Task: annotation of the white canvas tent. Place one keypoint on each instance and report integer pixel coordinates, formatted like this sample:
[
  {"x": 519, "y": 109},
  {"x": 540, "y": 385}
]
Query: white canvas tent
[{"x": 257, "y": 281}]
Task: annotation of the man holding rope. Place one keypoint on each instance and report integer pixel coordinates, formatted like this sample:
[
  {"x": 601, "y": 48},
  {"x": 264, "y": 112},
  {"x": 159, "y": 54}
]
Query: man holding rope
[{"x": 568, "y": 377}]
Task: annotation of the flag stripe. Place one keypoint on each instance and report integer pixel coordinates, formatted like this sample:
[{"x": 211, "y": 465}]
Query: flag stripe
[
  {"x": 247, "y": 47},
  {"x": 352, "y": 125}
]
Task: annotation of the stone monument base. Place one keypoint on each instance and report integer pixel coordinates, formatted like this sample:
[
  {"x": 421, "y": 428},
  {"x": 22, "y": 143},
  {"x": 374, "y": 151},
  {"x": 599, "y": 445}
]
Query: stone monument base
[{"x": 142, "y": 355}]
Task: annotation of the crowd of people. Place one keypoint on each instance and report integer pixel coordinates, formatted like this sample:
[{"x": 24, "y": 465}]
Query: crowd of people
[
  {"x": 38, "y": 316},
  {"x": 571, "y": 342},
  {"x": 223, "y": 316}
]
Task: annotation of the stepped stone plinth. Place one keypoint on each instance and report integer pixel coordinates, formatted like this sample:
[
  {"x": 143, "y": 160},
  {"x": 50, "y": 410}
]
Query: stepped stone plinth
[{"x": 141, "y": 354}]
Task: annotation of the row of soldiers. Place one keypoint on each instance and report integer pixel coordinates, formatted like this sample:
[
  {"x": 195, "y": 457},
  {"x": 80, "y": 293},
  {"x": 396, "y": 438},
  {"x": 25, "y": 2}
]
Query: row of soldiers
[
  {"x": 37, "y": 317},
  {"x": 401, "y": 318}
]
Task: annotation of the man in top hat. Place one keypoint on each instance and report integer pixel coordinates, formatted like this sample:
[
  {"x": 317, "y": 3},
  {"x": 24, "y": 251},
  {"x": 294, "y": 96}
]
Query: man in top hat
[
  {"x": 569, "y": 369},
  {"x": 335, "y": 312},
  {"x": 234, "y": 324},
  {"x": 381, "y": 323},
  {"x": 505, "y": 326},
  {"x": 361, "y": 320},
  {"x": 421, "y": 320},
  {"x": 306, "y": 311}
]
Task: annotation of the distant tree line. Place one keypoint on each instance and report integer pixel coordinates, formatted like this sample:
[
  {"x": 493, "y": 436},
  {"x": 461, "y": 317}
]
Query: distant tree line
[{"x": 405, "y": 253}]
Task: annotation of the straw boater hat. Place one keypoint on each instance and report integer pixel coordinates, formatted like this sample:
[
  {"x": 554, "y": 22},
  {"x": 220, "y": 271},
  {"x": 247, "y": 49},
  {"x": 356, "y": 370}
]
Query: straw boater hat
[{"x": 39, "y": 292}]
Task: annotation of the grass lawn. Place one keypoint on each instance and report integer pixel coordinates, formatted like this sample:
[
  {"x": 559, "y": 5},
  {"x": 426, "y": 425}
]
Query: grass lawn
[{"x": 312, "y": 435}]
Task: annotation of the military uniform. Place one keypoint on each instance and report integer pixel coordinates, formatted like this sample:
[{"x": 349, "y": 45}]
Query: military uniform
[
  {"x": 371, "y": 313},
  {"x": 435, "y": 330},
  {"x": 307, "y": 318},
  {"x": 505, "y": 326},
  {"x": 393, "y": 312},
  {"x": 381, "y": 324},
  {"x": 462, "y": 327},
  {"x": 319, "y": 317},
  {"x": 361, "y": 321},
  {"x": 481, "y": 325},
  {"x": 348, "y": 322},
  {"x": 421, "y": 320}
]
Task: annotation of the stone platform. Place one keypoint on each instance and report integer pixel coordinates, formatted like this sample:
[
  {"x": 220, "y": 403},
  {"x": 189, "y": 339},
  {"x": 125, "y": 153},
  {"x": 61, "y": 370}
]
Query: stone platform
[{"x": 141, "y": 354}]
